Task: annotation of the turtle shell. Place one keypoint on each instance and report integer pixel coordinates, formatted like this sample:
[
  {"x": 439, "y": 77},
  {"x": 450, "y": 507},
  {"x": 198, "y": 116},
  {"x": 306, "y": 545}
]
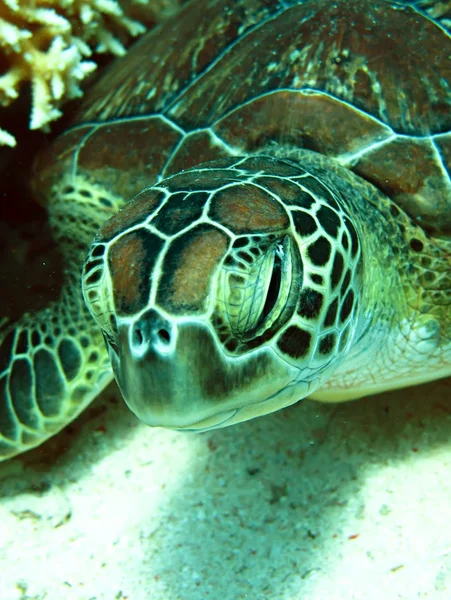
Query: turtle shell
[{"x": 366, "y": 82}]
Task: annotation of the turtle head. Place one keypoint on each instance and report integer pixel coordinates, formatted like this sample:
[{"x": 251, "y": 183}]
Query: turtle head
[{"x": 225, "y": 292}]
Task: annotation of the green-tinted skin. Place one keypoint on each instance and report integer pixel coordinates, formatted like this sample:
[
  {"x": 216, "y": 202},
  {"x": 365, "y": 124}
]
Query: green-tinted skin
[{"x": 252, "y": 280}]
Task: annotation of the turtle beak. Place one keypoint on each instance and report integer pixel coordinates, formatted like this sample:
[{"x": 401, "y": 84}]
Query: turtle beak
[{"x": 177, "y": 376}]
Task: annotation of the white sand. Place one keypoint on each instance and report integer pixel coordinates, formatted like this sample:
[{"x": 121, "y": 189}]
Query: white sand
[{"x": 348, "y": 501}]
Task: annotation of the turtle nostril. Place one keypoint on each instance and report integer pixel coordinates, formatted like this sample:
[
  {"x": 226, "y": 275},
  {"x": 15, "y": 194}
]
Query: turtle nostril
[
  {"x": 151, "y": 333},
  {"x": 138, "y": 338},
  {"x": 164, "y": 336}
]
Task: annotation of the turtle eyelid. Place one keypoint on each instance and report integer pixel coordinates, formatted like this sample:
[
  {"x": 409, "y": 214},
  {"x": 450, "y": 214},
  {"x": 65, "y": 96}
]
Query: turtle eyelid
[{"x": 273, "y": 291}]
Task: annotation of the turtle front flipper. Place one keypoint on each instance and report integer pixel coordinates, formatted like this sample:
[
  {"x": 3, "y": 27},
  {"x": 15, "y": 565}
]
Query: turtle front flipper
[{"x": 53, "y": 363}]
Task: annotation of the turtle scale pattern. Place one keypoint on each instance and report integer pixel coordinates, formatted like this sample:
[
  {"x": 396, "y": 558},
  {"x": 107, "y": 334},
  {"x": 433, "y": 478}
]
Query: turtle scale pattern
[{"x": 339, "y": 95}]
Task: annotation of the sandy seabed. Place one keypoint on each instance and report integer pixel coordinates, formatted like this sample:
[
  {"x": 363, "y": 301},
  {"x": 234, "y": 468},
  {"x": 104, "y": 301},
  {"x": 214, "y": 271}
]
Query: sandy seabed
[{"x": 316, "y": 502}]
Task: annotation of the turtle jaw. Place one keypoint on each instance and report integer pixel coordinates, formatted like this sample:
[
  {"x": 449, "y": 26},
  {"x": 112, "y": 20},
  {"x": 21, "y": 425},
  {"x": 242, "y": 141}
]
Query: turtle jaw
[{"x": 193, "y": 385}]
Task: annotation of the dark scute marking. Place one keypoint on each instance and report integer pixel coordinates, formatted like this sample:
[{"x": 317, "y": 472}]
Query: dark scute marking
[
  {"x": 93, "y": 357},
  {"x": 345, "y": 240},
  {"x": 248, "y": 258},
  {"x": 105, "y": 202},
  {"x": 327, "y": 344},
  {"x": 347, "y": 305},
  {"x": 416, "y": 245},
  {"x": 70, "y": 358},
  {"x": 8, "y": 425},
  {"x": 329, "y": 220},
  {"x": 90, "y": 265},
  {"x": 354, "y": 238},
  {"x": 337, "y": 270},
  {"x": 331, "y": 314},
  {"x": 131, "y": 260},
  {"x": 133, "y": 213},
  {"x": 188, "y": 267},
  {"x": 84, "y": 341},
  {"x": 241, "y": 242},
  {"x": 317, "y": 188},
  {"x": 98, "y": 251},
  {"x": 49, "y": 386},
  {"x": 304, "y": 223},
  {"x": 345, "y": 284},
  {"x": 319, "y": 251},
  {"x": 304, "y": 199},
  {"x": 35, "y": 338},
  {"x": 295, "y": 342},
  {"x": 94, "y": 262},
  {"x": 232, "y": 344},
  {"x": 179, "y": 211},
  {"x": 310, "y": 303},
  {"x": 21, "y": 391},
  {"x": 246, "y": 208},
  {"x": 94, "y": 277},
  {"x": 22, "y": 343},
  {"x": 6, "y": 350},
  {"x": 318, "y": 279}
]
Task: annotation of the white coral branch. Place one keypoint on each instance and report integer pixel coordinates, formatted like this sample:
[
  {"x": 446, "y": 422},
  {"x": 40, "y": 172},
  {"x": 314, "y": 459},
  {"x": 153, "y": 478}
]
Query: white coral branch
[{"x": 46, "y": 42}]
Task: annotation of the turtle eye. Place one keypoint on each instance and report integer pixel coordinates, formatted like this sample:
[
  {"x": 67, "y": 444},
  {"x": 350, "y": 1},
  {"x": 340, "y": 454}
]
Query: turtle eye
[
  {"x": 257, "y": 288},
  {"x": 276, "y": 282}
]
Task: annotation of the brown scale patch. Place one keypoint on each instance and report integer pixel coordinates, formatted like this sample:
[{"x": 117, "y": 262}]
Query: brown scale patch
[
  {"x": 248, "y": 209},
  {"x": 312, "y": 120},
  {"x": 133, "y": 213},
  {"x": 325, "y": 45},
  {"x": 188, "y": 268},
  {"x": 408, "y": 171},
  {"x": 175, "y": 53},
  {"x": 131, "y": 260},
  {"x": 123, "y": 156}
]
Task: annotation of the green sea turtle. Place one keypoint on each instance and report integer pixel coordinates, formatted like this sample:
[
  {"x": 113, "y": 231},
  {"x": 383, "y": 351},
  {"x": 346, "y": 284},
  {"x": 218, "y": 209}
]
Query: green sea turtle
[{"x": 289, "y": 232}]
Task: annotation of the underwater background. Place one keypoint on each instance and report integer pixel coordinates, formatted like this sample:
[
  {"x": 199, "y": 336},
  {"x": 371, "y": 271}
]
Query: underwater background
[
  {"x": 348, "y": 501},
  {"x": 314, "y": 502}
]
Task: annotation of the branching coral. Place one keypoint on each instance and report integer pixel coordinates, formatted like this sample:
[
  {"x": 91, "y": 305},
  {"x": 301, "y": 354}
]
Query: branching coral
[{"x": 47, "y": 42}]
